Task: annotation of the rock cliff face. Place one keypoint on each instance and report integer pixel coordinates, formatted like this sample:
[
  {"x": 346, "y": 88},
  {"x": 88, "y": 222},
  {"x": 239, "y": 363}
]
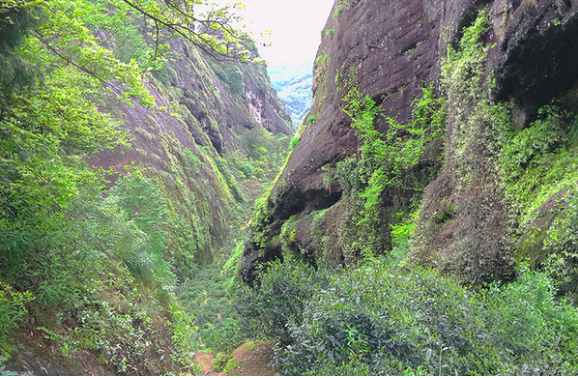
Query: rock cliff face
[
  {"x": 207, "y": 118},
  {"x": 394, "y": 49},
  {"x": 217, "y": 133}
]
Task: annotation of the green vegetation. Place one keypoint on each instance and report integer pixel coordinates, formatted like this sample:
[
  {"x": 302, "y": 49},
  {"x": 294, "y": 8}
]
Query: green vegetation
[
  {"x": 13, "y": 308},
  {"x": 339, "y": 9},
  {"x": 539, "y": 171},
  {"x": 138, "y": 267},
  {"x": 532, "y": 168},
  {"x": 467, "y": 201},
  {"x": 233, "y": 77},
  {"x": 281, "y": 297},
  {"x": 389, "y": 164},
  {"x": 261, "y": 155},
  {"x": 293, "y": 143},
  {"x": 322, "y": 60},
  {"x": 537, "y": 156},
  {"x": 378, "y": 320},
  {"x": 312, "y": 118},
  {"x": 91, "y": 259}
]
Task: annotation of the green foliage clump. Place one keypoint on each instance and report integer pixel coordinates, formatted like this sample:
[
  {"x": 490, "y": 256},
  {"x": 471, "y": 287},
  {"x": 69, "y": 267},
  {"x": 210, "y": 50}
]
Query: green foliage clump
[
  {"x": 312, "y": 118},
  {"x": 16, "y": 21},
  {"x": 377, "y": 320},
  {"x": 322, "y": 60},
  {"x": 389, "y": 165},
  {"x": 339, "y": 9},
  {"x": 537, "y": 162},
  {"x": 464, "y": 82},
  {"x": 12, "y": 308},
  {"x": 261, "y": 222},
  {"x": 145, "y": 206},
  {"x": 293, "y": 143},
  {"x": 261, "y": 155},
  {"x": 561, "y": 246},
  {"x": 184, "y": 334},
  {"x": 281, "y": 295},
  {"x": 225, "y": 171},
  {"x": 3, "y": 370},
  {"x": 208, "y": 297},
  {"x": 232, "y": 75},
  {"x": 538, "y": 168}
]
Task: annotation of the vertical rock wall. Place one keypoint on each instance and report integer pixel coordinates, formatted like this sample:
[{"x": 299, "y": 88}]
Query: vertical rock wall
[{"x": 396, "y": 48}]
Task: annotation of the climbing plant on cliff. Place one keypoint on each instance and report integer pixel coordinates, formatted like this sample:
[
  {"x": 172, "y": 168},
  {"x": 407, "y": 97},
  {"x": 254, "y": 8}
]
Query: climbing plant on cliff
[
  {"x": 466, "y": 201},
  {"x": 389, "y": 163}
]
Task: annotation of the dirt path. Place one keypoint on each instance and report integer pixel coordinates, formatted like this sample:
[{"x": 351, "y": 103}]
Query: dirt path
[{"x": 250, "y": 359}]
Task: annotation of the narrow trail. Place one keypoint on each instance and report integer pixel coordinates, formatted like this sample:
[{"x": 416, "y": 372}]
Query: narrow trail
[{"x": 250, "y": 359}]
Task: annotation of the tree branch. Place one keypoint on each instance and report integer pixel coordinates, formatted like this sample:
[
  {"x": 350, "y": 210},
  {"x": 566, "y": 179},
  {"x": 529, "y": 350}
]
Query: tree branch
[{"x": 188, "y": 32}]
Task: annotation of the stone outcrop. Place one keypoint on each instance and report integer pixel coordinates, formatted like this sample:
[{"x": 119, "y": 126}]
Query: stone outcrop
[{"x": 396, "y": 48}]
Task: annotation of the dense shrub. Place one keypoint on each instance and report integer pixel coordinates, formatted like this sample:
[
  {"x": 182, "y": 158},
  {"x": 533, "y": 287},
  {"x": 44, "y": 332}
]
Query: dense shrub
[
  {"x": 232, "y": 76},
  {"x": 561, "y": 246},
  {"x": 144, "y": 205},
  {"x": 376, "y": 320},
  {"x": 207, "y": 297},
  {"x": 281, "y": 297},
  {"x": 12, "y": 308},
  {"x": 293, "y": 143}
]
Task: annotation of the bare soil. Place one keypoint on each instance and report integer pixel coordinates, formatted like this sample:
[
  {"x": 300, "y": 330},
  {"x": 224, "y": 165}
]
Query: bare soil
[{"x": 250, "y": 359}]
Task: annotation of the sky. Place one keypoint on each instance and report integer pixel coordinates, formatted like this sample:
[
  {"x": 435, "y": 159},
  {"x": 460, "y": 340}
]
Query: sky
[{"x": 295, "y": 27}]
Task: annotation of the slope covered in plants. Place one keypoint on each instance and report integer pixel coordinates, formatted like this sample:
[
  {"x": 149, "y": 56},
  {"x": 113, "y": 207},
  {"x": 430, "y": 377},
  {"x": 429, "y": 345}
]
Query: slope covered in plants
[{"x": 129, "y": 146}]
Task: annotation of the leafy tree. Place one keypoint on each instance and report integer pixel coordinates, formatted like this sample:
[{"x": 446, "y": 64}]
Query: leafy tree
[
  {"x": 16, "y": 20},
  {"x": 208, "y": 27},
  {"x": 145, "y": 206}
]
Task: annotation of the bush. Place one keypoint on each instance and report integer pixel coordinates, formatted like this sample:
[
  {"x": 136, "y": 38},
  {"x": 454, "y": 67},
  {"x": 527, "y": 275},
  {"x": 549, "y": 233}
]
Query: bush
[
  {"x": 280, "y": 297},
  {"x": 561, "y": 246},
  {"x": 312, "y": 118},
  {"x": 207, "y": 297},
  {"x": 375, "y": 320},
  {"x": 233, "y": 77},
  {"x": 322, "y": 60},
  {"x": 12, "y": 308},
  {"x": 142, "y": 246}
]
